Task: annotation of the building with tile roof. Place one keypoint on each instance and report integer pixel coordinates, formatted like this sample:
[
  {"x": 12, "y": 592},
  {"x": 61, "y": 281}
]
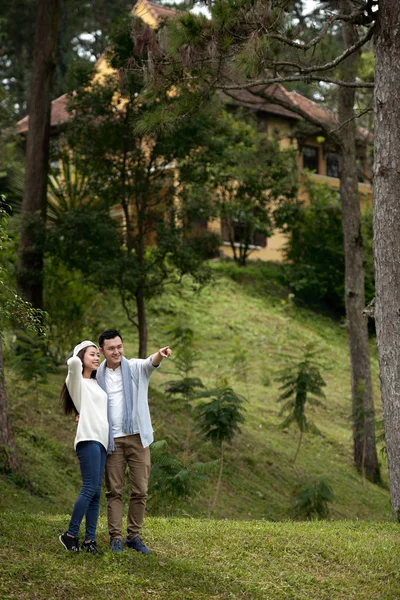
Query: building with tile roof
[{"x": 279, "y": 116}]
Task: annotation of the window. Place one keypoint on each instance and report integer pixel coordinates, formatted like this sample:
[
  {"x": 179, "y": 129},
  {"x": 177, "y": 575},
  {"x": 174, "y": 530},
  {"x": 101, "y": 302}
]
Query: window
[
  {"x": 310, "y": 158},
  {"x": 332, "y": 164}
]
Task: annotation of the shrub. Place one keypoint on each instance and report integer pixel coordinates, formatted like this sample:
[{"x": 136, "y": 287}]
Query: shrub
[
  {"x": 311, "y": 499},
  {"x": 315, "y": 254}
]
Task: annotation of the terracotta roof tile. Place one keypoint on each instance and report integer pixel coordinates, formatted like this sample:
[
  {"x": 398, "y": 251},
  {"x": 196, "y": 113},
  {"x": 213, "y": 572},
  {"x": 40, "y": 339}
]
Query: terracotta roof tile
[
  {"x": 59, "y": 115},
  {"x": 158, "y": 11}
]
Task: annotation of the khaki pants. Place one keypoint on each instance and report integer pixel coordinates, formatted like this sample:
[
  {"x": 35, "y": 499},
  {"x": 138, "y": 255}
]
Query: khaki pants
[{"x": 129, "y": 451}]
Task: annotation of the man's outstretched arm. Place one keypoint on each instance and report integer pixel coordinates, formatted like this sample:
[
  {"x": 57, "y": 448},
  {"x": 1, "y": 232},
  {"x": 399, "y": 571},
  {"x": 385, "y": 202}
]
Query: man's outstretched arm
[{"x": 159, "y": 356}]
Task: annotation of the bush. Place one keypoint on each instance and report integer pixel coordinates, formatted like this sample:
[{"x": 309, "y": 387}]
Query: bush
[
  {"x": 205, "y": 244},
  {"x": 30, "y": 358},
  {"x": 171, "y": 482},
  {"x": 311, "y": 498},
  {"x": 315, "y": 253}
]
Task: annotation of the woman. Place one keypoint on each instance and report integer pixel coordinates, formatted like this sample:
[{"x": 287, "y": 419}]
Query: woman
[{"x": 82, "y": 394}]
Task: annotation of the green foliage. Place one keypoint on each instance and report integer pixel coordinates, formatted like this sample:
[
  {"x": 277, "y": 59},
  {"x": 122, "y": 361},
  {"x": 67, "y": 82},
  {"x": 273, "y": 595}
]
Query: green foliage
[
  {"x": 13, "y": 309},
  {"x": 301, "y": 383},
  {"x": 72, "y": 304},
  {"x": 171, "y": 481},
  {"x": 204, "y": 244},
  {"x": 311, "y": 499},
  {"x": 220, "y": 418},
  {"x": 11, "y": 157},
  {"x": 257, "y": 468},
  {"x": 77, "y": 19},
  {"x": 186, "y": 389},
  {"x": 30, "y": 358},
  {"x": 314, "y": 252},
  {"x": 68, "y": 189},
  {"x": 241, "y": 176},
  {"x": 135, "y": 173},
  {"x": 87, "y": 239},
  {"x": 240, "y": 364}
]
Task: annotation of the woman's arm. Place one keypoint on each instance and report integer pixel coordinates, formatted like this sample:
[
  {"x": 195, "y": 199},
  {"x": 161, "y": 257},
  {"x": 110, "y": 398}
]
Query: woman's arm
[{"x": 74, "y": 380}]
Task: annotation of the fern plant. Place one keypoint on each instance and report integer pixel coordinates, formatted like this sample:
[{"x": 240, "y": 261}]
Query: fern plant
[
  {"x": 30, "y": 358},
  {"x": 171, "y": 481},
  {"x": 311, "y": 499},
  {"x": 302, "y": 383},
  {"x": 219, "y": 420}
]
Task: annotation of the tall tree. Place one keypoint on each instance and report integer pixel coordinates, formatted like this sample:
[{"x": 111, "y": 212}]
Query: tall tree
[
  {"x": 386, "y": 230},
  {"x": 82, "y": 36},
  {"x": 364, "y": 447},
  {"x": 252, "y": 57},
  {"x": 31, "y": 245}
]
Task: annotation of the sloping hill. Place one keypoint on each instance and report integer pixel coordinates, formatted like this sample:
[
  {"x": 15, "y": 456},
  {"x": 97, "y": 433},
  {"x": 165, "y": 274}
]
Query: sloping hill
[{"x": 227, "y": 316}]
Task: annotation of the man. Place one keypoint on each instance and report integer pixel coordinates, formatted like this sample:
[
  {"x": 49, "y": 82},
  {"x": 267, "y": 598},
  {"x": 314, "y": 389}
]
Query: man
[{"x": 126, "y": 383}]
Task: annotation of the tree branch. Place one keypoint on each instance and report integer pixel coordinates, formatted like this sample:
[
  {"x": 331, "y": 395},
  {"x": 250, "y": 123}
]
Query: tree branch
[
  {"x": 288, "y": 78},
  {"x": 356, "y": 116}
]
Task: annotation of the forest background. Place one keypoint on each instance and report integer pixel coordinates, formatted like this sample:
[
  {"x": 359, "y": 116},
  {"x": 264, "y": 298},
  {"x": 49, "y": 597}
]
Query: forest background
[{"x": 255, "y": 417}]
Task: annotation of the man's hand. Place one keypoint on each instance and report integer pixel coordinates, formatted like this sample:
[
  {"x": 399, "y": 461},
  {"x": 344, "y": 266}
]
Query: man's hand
[
  {"x": 160, "y": 355},
  {"x": 165, "y": 352}
]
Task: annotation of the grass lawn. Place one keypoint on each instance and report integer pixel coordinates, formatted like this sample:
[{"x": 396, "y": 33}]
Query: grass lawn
[{"x": 204, "y": 559}]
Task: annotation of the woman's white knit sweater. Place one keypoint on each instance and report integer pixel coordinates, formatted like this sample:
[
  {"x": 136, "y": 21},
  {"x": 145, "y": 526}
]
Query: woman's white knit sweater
[{"x": 90, "y": 402}]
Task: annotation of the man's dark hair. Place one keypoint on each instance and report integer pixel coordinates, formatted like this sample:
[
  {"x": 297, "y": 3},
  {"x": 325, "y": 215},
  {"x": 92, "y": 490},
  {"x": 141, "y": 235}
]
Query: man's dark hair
[{"x": 109, "y": 334}]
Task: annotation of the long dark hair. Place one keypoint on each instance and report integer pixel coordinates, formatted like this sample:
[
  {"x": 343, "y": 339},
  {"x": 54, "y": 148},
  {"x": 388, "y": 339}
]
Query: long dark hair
[{"x": 65, "y": 398}]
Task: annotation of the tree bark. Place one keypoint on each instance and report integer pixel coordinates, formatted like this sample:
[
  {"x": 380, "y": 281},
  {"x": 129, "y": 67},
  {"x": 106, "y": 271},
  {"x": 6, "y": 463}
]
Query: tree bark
[
  {"x": 31, "y": 245},
  {"x": 387, "y": 228},
  {"x": 364, "y": 446},
  {"x": 8, "y": 451}
]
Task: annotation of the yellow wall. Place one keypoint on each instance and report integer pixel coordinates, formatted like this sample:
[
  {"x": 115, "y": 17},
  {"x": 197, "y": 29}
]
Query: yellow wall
[{"x": 140, "y": 10}]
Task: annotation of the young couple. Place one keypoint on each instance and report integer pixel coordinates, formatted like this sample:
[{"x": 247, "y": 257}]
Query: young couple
[{"x": 113, "y": 430}]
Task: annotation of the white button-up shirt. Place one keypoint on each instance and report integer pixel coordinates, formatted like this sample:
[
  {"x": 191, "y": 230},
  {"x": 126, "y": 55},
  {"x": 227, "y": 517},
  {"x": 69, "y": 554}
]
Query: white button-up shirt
[{"x": 116, "y": 399}]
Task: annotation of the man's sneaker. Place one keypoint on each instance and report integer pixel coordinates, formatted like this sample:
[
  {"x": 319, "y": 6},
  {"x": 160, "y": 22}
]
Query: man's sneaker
[
  {"x": 138, "y": 544},
  {"x": 116, "y": 545},
  {"x": 69, "y": 543},
  {"x": 91, "y": 547}
]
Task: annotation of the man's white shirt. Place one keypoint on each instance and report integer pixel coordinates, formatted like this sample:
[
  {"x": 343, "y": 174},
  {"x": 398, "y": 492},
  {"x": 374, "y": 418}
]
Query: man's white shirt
[{"x": 115, "y": 393}]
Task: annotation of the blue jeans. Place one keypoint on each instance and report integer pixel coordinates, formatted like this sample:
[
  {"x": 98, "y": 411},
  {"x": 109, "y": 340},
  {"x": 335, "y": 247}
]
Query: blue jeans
[{"x": 92, "y": 459}]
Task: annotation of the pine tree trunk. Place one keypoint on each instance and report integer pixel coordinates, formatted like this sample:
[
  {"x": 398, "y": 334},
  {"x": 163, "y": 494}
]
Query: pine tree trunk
[
  {"x": 142, "y": 324},
  {"x": 8, "y": 452},
  {"x": 387, "y": 228},
  {"x": 31, "y": 245},
  {"x": 364, "y": 446}
]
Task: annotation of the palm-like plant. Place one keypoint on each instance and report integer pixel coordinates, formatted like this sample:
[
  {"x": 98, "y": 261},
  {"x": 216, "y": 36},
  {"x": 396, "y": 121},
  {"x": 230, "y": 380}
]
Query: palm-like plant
[
  {"x": 68, "y": 189},
  {"x": 302, "y": 383},
  {"x": 219, "y": 420}
]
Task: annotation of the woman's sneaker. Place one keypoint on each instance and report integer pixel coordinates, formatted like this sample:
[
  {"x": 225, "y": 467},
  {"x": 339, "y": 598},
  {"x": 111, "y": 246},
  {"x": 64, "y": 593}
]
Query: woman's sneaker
[
  {"x": 69, "y": 542},
  {"x": 91, "y": 547}
]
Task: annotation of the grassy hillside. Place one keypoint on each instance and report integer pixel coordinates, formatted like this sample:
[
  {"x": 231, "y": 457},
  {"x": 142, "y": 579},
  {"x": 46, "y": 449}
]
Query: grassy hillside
[
  {"x": 242, "y": 309},
  {"x": 199, "y": 559}
]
